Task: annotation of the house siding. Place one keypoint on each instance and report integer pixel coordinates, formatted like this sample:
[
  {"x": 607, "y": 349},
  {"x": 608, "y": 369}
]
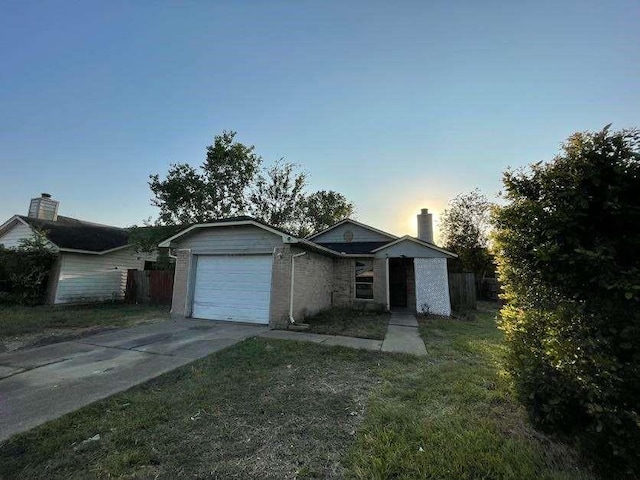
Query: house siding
[
  {"x": 19, "y": 231},
  {"x": 95, "y": 278},
  {"x": 230, "y": 240},
  {"x": 360, "y": 234}
]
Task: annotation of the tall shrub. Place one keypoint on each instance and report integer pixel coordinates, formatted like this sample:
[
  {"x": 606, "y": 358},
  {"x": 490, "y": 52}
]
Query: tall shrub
[
  {"x": 24, "y": 271},
  {"x": 568, "y": 249}
]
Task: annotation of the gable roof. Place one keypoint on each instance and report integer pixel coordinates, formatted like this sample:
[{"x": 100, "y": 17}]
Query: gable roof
[
  {"x": 409, "y": 238},
  {"x": 349, "y": 220},
  {"x": 228, "y": 222},
  {"x": 353, "y": 248},
  {"x": 71, "y": 234}
]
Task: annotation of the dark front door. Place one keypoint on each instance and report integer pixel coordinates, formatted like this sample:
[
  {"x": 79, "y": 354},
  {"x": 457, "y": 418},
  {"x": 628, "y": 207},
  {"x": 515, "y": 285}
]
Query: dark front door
[{"x": 397, "y": 282}]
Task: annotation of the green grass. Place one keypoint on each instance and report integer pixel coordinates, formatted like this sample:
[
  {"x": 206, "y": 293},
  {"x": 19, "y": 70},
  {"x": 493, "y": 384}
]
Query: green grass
[
  {"x": 283, "y": 409},
  {"x": 350, "y": 323},
  {"x": 453, "y": 415},
  {"x": 19, "y": 320}
]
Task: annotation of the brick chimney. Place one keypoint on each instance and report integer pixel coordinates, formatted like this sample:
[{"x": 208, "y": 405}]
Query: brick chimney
[
  {"x": 44, "y": 208},
  {"x": 425, "y": 225}
]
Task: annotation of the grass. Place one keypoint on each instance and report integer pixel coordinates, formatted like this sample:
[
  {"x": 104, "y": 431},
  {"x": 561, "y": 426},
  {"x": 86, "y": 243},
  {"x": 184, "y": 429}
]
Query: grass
[
  {"x": 350, "y": 323},
  {"x": 281, "y": 409},
  {"x": 20, "y": 320},
  {"x": 453, "y": 415}
]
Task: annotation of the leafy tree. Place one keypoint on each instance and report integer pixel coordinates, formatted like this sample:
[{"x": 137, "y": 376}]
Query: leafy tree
[
  {"x": 217, "y": 189},
  {"x": 278, "y": 196},
  {"x": 568, "y": 244},
  {"x": 24, "y": 270},
  {"x": 464, "y": 229},
  {"x": 322, "y": 209},
  {"x": 232, "y": 182}
]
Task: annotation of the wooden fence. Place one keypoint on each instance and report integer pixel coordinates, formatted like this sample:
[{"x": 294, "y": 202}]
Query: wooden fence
[
  {"x": 462, "y": 290},
  {"x": 149, "y": 286}
]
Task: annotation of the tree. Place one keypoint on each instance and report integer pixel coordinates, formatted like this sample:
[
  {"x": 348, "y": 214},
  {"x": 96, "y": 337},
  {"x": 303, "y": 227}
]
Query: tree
[
  {"x": 322, "y": 209},
  {"x": 568, "y": 244},
  {"x": 464, "y": 229},
  {"x": 218, "y": 189},
  {"x": 232, "y": 181},
  {"x": 278, "y": 196}
]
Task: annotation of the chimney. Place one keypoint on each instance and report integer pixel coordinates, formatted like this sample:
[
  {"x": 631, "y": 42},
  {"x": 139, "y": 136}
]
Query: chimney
[
  {"x": 425, "y": 226},
  {"x": 44, "y": 208}
]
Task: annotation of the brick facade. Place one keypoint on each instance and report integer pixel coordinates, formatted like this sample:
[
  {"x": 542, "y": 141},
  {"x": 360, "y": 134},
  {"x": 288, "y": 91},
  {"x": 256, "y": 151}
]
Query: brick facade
[{"x": 181, "y": 284}]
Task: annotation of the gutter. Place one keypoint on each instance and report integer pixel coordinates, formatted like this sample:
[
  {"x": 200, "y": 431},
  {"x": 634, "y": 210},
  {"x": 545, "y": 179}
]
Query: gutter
[{"x": 293, "y": 271}]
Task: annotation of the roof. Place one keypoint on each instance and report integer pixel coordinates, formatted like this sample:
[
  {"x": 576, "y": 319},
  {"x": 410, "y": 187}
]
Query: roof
[
  {"x": 231, "y": 221},
  {"x": 353, "y": 248},
  {"x": 72, "y": 234},
  {"x": 349, "y": 220},
  {"x": 409, "y": 238}
]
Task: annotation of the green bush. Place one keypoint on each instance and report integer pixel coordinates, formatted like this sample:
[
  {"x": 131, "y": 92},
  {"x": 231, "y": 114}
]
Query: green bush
[
  {"x": 568, "y": 247},
  {"x": 24, "y": 271}
]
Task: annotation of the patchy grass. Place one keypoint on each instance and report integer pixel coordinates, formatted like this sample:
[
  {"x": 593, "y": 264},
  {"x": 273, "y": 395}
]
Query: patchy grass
[
  {"x": 453, "y": 415},
  {"x": 284, "y": 409},
  {"x": 42, "y": 322},
  {"x": 350, "y": 323},
  {"x": 262, "y": 409}
]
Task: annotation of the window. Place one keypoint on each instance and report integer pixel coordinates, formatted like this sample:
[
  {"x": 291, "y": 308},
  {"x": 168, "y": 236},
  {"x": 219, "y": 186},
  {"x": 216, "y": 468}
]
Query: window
[{"x": 364, "y": 279}]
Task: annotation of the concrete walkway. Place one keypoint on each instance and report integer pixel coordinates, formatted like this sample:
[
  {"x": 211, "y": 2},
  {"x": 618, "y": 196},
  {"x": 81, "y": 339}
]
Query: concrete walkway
[
  {"x": 332, "y": 340},
  {"x": 40, "y": 384},
  {"x": 403, "y": 335}
]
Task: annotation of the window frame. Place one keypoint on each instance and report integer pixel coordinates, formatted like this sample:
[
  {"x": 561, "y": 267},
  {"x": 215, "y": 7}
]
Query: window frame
[{"x": 366, "y": 263}]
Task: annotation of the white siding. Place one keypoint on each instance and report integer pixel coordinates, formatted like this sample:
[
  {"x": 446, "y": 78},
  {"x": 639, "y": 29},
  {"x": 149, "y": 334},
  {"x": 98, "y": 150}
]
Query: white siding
[
  {"x": 360, "y": 234},
  {"x": 410, "y": 249},
  {"x": 19, "y": 231},
  {"x": 95, "y": 278},
  {"x": 432, "y": 285},
  {"x": 230, "y": 240}
]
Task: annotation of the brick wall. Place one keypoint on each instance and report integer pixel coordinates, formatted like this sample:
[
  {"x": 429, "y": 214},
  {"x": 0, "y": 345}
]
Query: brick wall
[
  {"x": 280, "y": 285},
  {"x": 380, "y": 282},
  {"x": 313, "y": 284},
  {"x": 343, "y": 281},
  {"x": 180, "y": 283}
]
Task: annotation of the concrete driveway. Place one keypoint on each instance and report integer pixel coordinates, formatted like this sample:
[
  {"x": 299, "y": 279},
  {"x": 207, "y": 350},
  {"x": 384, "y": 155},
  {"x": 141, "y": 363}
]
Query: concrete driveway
[{"x": 43, "y": 383}]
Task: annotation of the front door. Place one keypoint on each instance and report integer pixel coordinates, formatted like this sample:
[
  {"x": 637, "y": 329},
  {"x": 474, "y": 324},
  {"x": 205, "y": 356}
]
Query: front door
[{"x": 397, "y": 282}]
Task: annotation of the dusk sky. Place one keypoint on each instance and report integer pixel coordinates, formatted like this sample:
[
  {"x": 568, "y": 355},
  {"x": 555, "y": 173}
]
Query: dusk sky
[{"x": 397, "y": 105}]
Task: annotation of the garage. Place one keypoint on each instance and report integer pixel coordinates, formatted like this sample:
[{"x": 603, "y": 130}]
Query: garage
[{"x": 232, "y": 288}]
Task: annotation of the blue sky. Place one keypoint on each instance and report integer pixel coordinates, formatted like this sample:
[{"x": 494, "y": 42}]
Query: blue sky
[{"x": 398, "y": 105}]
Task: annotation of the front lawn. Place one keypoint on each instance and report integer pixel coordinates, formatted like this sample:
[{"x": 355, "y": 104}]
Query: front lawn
[
  {"x": 350, "y": 323},
  {"x": 283, "y": 409},
  {"x": 42, "y": 324}
]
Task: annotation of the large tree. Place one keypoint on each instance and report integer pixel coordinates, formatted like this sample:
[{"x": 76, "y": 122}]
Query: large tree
[
  {"x": 464, "y": 229},
  {"x": 568, "y": 249},
  {"x": 232, "y": 181},
  {"x": 217, "y": 189}
]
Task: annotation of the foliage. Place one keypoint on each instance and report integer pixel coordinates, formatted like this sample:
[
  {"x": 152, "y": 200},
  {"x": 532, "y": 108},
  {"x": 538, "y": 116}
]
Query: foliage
[
  {"x": 219, "y": 189},
  {"x": 464, "y": 227},
  {"x": 322, "y": 209},
  {"x": 278, "y": 196},
  {"x": 568, "y": 244},
  {"x": 24, "y": 271},
  {"x": 232, "y": 181}
]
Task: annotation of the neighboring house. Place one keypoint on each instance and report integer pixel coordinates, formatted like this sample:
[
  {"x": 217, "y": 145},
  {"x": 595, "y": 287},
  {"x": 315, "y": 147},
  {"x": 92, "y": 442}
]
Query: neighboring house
[
  {"x": 241, "y": 269},
  {"x": 92, "y": 260}
]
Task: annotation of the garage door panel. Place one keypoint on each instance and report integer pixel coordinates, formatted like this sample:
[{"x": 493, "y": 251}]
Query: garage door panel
[{"x": 234, "y": 288}]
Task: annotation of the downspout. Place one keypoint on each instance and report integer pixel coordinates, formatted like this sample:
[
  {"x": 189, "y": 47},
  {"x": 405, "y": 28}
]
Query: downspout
[{"x": 293, "y": 262}]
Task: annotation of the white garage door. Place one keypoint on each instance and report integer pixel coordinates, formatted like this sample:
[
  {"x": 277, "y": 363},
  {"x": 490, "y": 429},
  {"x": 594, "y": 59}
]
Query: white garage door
[{"x": 234, "y": 288}]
